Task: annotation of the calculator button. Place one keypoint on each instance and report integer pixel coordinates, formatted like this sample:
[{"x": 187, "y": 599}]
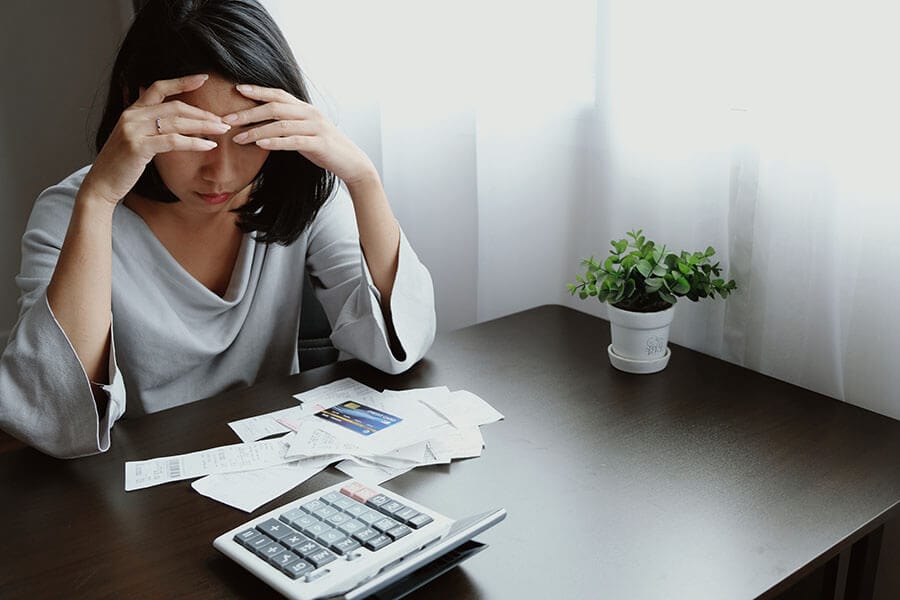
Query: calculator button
[
  {"x": 419, "y": 521},
  {"x": 270, "y": 549},
  {"x": 384, "y": 524},
  {"x": 345, "y": 545},
  {"x": 377, "y": 500},
  {"x": 245, "y": 537},
  {"x": 307, "y": 548},
  {"x": 294, "y": 513},
  {"x": 298, "y": 569},
  {"x": 338, "y": 519},
  {"x": 303, "y": 522},
  {"x": 330, "y": 497},
  {"x": 344, "y": 503},
  {"x": 312, "y": 506},
  {"x": 322, "y": 557},
  {"x": 331, "y": 537},
  {"x": 275, "y": 529},
  {"x": 370, "y": 517},
  {"x": 358, "y": 492},
  {"x": 365, "y": 535},
  {"x": 405, "y": 514},
  {"x": 325, "y": 512},
  {"x": 351, "y": 527},
  {"x": 378, "y": 542},
  {"x": 283, "y": 559},
  {"x": 398, "y": 532},
  {"x": 316, "y": 530},
  {"x": 294, "y": 540},
  {"x": 356, "y": 510},
  {"x": 389, "y": 508},
  {"x": 259, "y": 543}
]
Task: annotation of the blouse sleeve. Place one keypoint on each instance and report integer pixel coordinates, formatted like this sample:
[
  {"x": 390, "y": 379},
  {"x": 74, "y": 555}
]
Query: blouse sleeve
[
  {"x": 46, "y": 398},
  {"x": 345, "y": 288}
]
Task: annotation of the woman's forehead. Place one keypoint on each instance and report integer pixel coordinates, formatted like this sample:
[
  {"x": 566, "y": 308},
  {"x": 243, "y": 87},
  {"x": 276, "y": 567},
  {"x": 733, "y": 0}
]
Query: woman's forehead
[{"x": 218, "y": 96}]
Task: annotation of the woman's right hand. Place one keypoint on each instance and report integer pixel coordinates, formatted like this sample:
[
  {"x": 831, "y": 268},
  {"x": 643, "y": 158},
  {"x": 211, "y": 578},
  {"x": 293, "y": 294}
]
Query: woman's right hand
[{"x": 149, "y": 127}]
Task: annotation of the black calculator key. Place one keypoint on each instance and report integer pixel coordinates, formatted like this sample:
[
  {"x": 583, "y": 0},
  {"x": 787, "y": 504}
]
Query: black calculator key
[
  {"x": 294, "y": 540},
  {"x": 270, "y": 549},
  {"x": 378, "y": 542},
  {"x": 398, "y": 532},
  {"x": 283, "y": 559},
  {"x": 405, "y": 514},
  {"x": 419, "y": 521},
  {"x": 364, "y": 535},
  {"x": 298, "y": 569},
  {"x": 345, "y": 545},
  {"x": 275, "y": 529},
  {"x": 245, "y": 537},
  {"x": 259, "y": 543},
  {"x": 322, "y": 557},
  {"x": 389, "y": 508},
  {"x": 307, "y": 548}
]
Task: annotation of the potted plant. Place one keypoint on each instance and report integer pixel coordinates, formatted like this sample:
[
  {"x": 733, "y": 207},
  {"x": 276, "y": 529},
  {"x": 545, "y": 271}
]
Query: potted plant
[{"x": 641, "y": 282}]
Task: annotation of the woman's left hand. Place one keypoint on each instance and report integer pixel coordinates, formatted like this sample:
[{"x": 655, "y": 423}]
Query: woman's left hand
[{"x": 297, "y": 125}]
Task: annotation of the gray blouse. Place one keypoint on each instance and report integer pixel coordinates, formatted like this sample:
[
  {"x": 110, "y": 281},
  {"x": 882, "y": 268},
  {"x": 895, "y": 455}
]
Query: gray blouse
[{"x": 175, "y": 341}]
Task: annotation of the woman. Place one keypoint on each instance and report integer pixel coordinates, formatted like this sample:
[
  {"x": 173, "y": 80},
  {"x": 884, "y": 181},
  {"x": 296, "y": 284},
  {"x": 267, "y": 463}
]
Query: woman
[{"x": 172, "y": 268}]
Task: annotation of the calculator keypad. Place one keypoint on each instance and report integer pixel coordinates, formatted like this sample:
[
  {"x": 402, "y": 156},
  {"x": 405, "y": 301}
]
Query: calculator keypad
[{"x": 306, "y": 538}]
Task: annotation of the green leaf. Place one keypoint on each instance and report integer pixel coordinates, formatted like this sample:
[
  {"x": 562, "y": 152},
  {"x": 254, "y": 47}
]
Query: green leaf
[
  {"x": 644, "y": 267},
  {"x": 620, "y": 246},
  {"x": 667, "y": 297},
  {"x": 710, "y": 251},
  {"x": 684, "y": 268},
  {"x": 660, "y": 269},
  {"x": 653, "y": 284},
  {"x": 682, "y": 287}
]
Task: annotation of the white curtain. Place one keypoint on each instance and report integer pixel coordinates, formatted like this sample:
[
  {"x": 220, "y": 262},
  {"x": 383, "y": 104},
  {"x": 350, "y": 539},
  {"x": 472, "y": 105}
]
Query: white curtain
[{"x": 516, "y": 138}]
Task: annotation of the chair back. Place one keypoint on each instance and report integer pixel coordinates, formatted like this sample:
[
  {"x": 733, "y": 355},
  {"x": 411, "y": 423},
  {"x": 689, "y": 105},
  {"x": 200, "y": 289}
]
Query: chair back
[{"x": 314, "y": 345}]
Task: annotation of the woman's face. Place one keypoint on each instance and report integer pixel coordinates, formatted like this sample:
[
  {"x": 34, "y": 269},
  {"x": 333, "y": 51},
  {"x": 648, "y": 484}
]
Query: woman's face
[{"x": 220, "y": 179}]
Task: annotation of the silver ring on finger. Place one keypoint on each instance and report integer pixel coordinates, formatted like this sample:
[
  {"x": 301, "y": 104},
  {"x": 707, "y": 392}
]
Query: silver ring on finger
[{"x": 158, "y": 126}]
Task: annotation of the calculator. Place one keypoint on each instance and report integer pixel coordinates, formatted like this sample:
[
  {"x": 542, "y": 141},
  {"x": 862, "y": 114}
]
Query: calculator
[{"x": 351, "y": 541}]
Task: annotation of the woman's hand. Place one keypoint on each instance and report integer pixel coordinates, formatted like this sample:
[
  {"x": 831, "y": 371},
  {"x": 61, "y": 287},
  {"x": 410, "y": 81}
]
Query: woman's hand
[
  {"x": 297, "y": 125},
  {"x": 149, "y": 127}
]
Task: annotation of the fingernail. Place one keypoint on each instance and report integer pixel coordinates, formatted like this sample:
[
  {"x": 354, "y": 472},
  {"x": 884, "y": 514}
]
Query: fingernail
[
  {"x": 230, "y": 118},
  {"x": 240, "y": 137},
  {"x": 245, "y": 88},
  {"x": 265, "y": 142},
  {"x": 222, "y": 126},
  {"x": 209, "y": 144},
  {"x": 203, "y": 76}
]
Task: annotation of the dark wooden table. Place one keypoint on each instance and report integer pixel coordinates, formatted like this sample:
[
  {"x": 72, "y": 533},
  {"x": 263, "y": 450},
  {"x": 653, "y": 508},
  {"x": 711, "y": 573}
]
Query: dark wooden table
[{"x": 704, "y": 481}]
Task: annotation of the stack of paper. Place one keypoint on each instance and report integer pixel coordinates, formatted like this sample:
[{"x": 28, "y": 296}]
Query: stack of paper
[{"x": 372, "y": 436}]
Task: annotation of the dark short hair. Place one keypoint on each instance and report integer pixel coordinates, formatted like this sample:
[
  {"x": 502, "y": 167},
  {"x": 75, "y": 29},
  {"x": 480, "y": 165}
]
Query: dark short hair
[{"x": 238, "y": 40}]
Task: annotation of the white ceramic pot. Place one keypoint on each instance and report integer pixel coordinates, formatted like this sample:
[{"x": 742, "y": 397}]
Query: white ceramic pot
[{"x": 640, "y": 340}]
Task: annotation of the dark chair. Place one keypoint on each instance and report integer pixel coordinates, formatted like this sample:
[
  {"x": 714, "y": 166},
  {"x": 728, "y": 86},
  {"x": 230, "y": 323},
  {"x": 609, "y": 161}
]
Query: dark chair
[{"x": 314, "y": 344}]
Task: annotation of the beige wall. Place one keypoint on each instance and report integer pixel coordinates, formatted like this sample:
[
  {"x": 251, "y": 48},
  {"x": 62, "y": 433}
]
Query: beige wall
[{"x": 55, "y": 56}]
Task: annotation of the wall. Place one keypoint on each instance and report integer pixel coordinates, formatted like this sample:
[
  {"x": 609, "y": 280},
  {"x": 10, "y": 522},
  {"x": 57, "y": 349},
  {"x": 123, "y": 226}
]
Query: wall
[{"x": 56, "y": 55}]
